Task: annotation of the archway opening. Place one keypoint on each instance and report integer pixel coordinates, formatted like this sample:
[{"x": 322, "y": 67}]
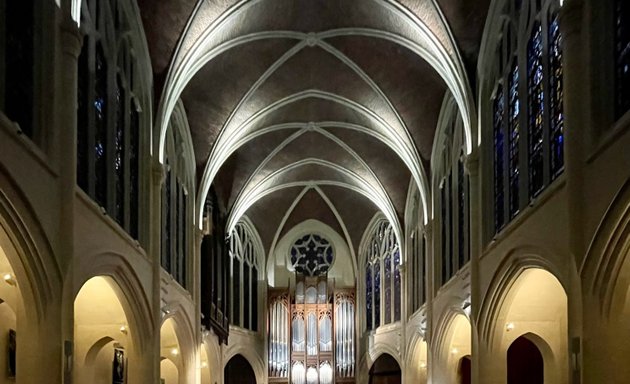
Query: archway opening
[
  {"x": 171, "y": 354},
  {"x": 536, "y": 306},
  {"x": 11, "y": 304},
  {"x": 385, "y": 370},
  {"x": 239, "y": 371},
  {"x": 456, "y": 348},
  {"x": 418, "y": 363},
  {"x": 103, "y": 346},
  {"x": 204, "y": 365},
  {"x": 465, "y": 370},
  {"x": 525, "y": 363}
]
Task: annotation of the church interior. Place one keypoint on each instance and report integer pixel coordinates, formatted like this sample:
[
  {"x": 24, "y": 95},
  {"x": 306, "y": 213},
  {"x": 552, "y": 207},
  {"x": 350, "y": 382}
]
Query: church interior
[{"x": 314, "y": 191}]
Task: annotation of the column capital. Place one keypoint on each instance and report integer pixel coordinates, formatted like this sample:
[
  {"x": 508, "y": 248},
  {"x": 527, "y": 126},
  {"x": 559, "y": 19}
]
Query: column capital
[
  {"x": 159, "y": 173},
  {"x": 471, "y": 163},
  {"x": 71, "y": 37},
  {"x": 428, "y": 229}
]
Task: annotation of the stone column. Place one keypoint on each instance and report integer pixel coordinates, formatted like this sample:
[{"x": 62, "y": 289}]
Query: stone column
[
  {"x": 577, "y": 107},
  {"x": 475, "y": 232},
  {"x": 429, "y": 293},
  {"x": 404, "y": 292},
  {"x": 64, "y": 138},
  {"x": 155, "y": 227}
]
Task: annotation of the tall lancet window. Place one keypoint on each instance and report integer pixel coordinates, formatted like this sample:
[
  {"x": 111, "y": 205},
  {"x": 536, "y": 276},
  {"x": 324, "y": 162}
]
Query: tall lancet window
[
  {"x": 382, "y": 258},
  {"x": 622, "y": 51},
  {"x": 244, "y": 277},
  {"x": 109, "y": 115},
  {"x": 536, "y": 109},
  {"x": 527, "y": 106}
]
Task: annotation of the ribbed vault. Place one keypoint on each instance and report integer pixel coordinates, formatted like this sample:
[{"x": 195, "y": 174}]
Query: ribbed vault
[{"x": 312, "y": 108}]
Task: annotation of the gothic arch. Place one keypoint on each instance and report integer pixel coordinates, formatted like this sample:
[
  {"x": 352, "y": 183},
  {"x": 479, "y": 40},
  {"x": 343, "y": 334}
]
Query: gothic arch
[
  {"x": 28, "y": 250},
  {"x": 128, "y": 288},
  {"x": 184, "y": 332},
  {"x": 606, "y": 269},
  {"x": 511, "y": 267},
  {"x": 255, "y": 361}
]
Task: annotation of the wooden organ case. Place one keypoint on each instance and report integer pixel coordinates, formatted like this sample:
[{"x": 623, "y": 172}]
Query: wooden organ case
[{"x": 311, "y": 329}]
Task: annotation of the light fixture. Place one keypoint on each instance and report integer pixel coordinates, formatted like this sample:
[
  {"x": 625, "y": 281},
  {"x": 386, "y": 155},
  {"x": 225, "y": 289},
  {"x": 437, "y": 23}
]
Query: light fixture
[
  {"x": 454, "y": 351},
  {"x": 509, "y": 326},
  {"x": 174, "y": 351},
  {"x": 204, "y": 364},
  {"x": 423, "y": 365},
  {"x": 123, "y": 329},
  {"x": 8, "y": 278}
]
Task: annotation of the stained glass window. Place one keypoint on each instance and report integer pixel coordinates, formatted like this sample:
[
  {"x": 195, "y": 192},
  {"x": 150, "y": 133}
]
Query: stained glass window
[
  {"x": 236, "y": 290},
  {"x": 134, "y": 171},
  {"x": 254, "y": 303},
  {"x": 514, "y": 137},
  {"x": 368, "y": 296},
  {"x": 387, "y": 284},
  {"x": 108, "y": 125},
  {"x": 622, "y": 47},
  {"x": 312, "y": 255},
  {"x": 83, "y": 82},
  {"x": 100, "y": 116},
  {"x": 381, "y": 269},
  {"x": 377, "y": 294},
  {"x": 397, "y": 293},
  {"x": 119, "y": 152},
  {"x": 19, "y": 64},
  {"x": 499, "y": 167},
  {"x": 246, "y": 297},
  {"x": 556, "y": 107},
  {"x": 536, "y": 108},
  {"x": 244, "y": 278}
]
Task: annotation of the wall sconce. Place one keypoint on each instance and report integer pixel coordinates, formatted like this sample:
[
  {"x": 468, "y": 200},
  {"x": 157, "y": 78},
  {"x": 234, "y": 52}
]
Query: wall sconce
[
  {"x": 9, "y": 279},
  {"x": 174, "y": 351},
  {"x": 509, "y": 327},
  {"x": 123, "y": 329},
  {"x": 454, "y": 351}
]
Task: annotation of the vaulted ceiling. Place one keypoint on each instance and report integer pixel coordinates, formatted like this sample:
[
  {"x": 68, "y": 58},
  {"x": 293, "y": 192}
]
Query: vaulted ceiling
[{"x": 321, "y": 109}]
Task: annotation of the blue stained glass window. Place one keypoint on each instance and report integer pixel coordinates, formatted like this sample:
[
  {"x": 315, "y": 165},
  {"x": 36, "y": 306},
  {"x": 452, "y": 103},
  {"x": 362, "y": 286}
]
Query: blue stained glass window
[
  {"x": 622, "y": 48},
  {"x": 556, "y": 108},
  {"x": 536, "y": 104},
  {"x": 254, "y": 280},
  {"x": 134, "y": 171},
  {"x": 119, "y": 152},
  {"x": 377, "y": 294},
  {"x": 388, "y": 289},
  {"x": 246, "y": 293},
  {"x": 514, "y": 137},
  {"x": 368, "y": 296},
  {"x": 397, "y": 292},
  {"x": 312, "y": 255},
  {"x": 100, "y": 115},
  {"x": 499, "y": 166},
  {"x": 83, "y": 81}
]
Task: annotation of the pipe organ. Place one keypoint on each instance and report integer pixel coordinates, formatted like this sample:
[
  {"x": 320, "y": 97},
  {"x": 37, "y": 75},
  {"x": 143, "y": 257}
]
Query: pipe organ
[{"x": 311, "y": 326}]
